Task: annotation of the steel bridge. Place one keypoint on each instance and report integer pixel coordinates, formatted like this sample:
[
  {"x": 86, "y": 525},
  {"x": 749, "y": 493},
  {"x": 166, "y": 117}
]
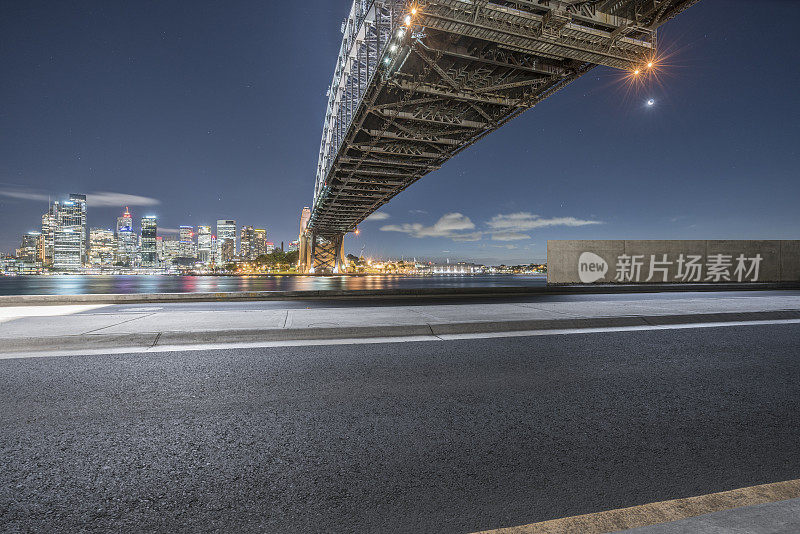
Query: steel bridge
[{"x": 418, "y": 82}]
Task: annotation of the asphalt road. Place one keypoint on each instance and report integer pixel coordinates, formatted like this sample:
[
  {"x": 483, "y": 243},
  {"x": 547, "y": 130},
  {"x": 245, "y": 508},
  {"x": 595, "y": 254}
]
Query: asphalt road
[{"x": 446, "y": 436}]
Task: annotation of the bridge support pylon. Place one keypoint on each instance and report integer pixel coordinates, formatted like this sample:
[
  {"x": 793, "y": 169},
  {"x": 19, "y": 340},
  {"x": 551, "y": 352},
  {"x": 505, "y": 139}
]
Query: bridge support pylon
[{"x": 321, "y": 254}]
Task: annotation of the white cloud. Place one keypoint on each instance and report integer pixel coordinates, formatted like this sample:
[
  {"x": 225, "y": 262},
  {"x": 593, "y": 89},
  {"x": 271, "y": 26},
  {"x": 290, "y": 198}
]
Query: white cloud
[
  {"x": 107, "y": 199},
  {"x": 23, "y": 195},
  {"x": 168, "y": 230},
  {"x": 377, "y": 216},
  {"x": 509, "y": 236},
  {"x": 522, "y": 221},
  {"x": 473, "y": 236},
  {"x": 502, "y": 227},
  {"x": 99, "y": 199},
  {"x": 452, "y": 225}
]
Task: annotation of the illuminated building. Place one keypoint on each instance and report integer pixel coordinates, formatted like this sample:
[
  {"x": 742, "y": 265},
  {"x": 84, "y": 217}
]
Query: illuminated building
[
  {"x": 204, "y": 244},
  {"x": 29, "y": 251},
  {"x": 226, "y": 240},
  {"x": 214, "y": 251},
  {"x": 48, "y": 234},
  {"x": 456, "y": 268},
  {"x": 126, "y": 239},
  {"x": 102, "y": 247},
  {"x": 294, "y": 246},
  {"x": 69, "y": 241},
  {"x": 171, "y": 250},
  {"x": 148, "y": 252},
  {"x": 260, "y": 247},
  {"x": 270, "y": 247},
  {"x": 186, "y": 234},
  {"x": 247, "y": 242}
]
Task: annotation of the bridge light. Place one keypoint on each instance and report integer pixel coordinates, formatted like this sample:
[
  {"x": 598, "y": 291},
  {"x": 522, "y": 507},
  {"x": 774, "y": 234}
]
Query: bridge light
[
  {"x": 401, "y": 33},
  {"x": 650, "y": 65},
  {"x": 413, "y": 10},
  {"x": 636, "y": 72},
  {"x": 408, "y": 20},
  {"x": 387, "y": 60},
  {"x": 393, "y": 48}
]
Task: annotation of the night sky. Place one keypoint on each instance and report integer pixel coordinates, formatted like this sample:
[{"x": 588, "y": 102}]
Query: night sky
[{"x": 202, "y": 110}]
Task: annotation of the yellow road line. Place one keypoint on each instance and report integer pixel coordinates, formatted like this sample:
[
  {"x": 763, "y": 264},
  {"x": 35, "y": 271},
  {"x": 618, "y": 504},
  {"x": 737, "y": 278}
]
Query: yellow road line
[{"x": 659, "y": 512}]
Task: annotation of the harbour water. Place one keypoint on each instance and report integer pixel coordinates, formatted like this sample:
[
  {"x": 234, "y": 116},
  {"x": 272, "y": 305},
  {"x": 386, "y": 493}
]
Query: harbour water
[{"x": 132, "y": 284}]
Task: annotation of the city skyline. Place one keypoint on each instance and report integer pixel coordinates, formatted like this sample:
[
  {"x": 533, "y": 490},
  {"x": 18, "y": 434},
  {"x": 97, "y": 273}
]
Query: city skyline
[
  {"x": 66, "y": 243},
  {"x": 218, "y": 137}
]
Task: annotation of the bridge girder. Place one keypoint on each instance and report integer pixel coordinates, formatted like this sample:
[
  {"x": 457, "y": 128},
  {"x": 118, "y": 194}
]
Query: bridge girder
[{"x": 405, "y": 100}]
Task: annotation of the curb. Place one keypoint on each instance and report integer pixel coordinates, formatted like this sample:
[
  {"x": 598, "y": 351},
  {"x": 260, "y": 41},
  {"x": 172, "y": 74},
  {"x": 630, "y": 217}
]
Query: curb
[
  {"x": 177, "y": 338},
  {"x": 139, "y": 298}
]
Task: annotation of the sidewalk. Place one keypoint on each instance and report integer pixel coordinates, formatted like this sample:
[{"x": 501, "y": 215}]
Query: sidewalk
[
  {"x": 764, "y": 509},
  {"x": 45, "y": 328}
]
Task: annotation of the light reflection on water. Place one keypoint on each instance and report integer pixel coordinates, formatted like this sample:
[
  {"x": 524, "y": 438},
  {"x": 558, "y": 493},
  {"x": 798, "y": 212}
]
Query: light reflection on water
[{"x": 98, "y": 284}]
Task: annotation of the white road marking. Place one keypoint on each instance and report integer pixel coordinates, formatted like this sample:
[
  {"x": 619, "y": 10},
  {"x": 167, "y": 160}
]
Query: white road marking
[
  {"x": 378, "y": 340},
  {"x": 17, "y": 312}
]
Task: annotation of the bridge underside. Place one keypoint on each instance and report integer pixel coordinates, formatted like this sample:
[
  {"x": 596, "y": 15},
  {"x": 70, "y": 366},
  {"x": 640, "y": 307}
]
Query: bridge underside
[{"x": 458, "y": 71}]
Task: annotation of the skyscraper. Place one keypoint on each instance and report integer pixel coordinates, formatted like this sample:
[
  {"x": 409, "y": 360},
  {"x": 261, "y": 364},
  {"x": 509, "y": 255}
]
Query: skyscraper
[
  {"x": 29, "y": 251},
  {"x": 69, "y": 241},
  {"x": 186, "y": 235},
  {"x": 247, "y": 242},
  {"x": 148, "y": 252},
  {"x": 260, "y": 247},
  {"x": 204, "y": 244},
  {"x": 170, "y": 250},
  {"x": 126, "y": 239},
  {"x": 102, "y": 247},
  {"x": 48, "y": 234},
  {"x": 226, "y": 240}
]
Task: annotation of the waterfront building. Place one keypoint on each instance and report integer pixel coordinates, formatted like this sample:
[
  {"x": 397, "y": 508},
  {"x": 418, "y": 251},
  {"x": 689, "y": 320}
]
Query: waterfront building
[
  {"x": 126, "y": 240},
  {"x": 171, "y": 250},
  {"x": 226, "y": 240},
  {"x": 294, "y": 246},
  {"x": 69, "y": 241},
  {"x": 247, "y": 243},
  {"x": 186, "y": 234},
  {"x": 48, "y": 234},
  {"x": 29, "y": 251},
  {"x": 214, "y": 251},
  {"x": 148, "y": 251},
  {"x": 102, "y": 247},
  {"x": 204, "y": 244},
  {"x": 270, "y": 246},
  {"x": 260, "y": 246},
  {"x": 456, "y": 268},
  {"x": 160, "y": 249},
  {"x": 227, "y": 252}
]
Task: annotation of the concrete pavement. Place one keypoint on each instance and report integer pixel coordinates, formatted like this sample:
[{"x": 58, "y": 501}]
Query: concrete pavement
[
  {"x": 144, "y": 327},
  {"x": 442, "y": 436}
]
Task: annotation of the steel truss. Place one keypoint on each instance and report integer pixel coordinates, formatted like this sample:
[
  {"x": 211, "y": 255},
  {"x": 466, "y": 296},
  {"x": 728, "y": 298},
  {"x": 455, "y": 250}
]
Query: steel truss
[{"x": 404, "y": 100}]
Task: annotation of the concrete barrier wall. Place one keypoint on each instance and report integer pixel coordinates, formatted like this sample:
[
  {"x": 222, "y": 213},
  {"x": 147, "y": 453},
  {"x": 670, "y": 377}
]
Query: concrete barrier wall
[{"x": 681, "y": 262}]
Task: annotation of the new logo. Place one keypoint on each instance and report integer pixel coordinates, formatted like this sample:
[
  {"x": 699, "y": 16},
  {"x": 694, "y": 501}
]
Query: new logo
[{"x": 591, "y": 267}]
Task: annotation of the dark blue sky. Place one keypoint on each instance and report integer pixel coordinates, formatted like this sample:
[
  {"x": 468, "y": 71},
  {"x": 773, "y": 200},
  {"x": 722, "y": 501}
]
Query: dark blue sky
[{"x": 213, "y": 109}]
